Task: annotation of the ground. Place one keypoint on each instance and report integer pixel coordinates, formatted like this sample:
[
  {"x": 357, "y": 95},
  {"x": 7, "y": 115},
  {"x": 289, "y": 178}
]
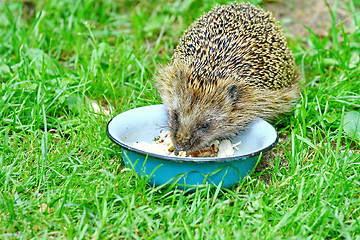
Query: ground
[{"x": 314, "y": 14}]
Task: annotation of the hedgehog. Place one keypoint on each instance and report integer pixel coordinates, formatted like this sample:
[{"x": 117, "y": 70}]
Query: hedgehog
[{"x": 231, "y": 66}]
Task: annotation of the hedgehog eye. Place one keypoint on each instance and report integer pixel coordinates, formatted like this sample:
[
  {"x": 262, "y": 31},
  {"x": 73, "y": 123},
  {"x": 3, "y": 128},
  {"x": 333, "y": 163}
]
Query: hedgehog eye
[{"x": 205, "y": 126}]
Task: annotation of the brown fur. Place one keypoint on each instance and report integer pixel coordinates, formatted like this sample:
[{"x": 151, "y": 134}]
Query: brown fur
[{"x": 231, "y": 67}]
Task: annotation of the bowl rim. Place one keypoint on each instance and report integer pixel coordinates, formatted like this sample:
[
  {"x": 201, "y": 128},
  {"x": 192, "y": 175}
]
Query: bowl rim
[{"x": 189, "y": 159}]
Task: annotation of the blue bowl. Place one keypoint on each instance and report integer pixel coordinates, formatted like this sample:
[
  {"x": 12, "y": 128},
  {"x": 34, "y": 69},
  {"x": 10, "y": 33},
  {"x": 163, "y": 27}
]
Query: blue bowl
[{"x": 145, "y": 123}]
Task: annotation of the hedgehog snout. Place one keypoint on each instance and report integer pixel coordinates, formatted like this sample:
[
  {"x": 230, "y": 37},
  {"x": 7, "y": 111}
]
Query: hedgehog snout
[
  {"x": 177, "y": 150},
  {"x": 185, "y": 144},
  {"x": 182, "y": 146}
]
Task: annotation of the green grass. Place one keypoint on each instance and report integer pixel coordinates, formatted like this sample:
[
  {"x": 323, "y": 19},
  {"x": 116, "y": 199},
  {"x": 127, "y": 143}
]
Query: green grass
[{"x": 61, "y": 177}]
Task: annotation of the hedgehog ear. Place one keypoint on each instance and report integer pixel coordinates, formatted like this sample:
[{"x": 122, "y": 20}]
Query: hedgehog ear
[
  {"x": 232, "y": 91},
  {"x": 179, "y": 74}
]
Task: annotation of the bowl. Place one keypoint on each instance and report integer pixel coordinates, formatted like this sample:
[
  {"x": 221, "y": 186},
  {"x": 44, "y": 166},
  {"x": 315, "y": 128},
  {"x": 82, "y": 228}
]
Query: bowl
[{"x": 145, "y": 123}]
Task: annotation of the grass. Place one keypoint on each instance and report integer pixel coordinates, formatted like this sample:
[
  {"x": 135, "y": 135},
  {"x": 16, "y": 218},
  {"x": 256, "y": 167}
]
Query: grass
[{"x": 61, "y": 177}]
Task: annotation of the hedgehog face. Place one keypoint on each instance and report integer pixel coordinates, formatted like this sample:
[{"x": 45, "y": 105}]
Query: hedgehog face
[
  {"x": 191, "y": 130},
  {"x": 197, "y": 118}
]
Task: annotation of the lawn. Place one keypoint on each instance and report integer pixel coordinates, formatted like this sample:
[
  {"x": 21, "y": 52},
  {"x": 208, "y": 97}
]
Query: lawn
[{"x": 61, "y": 177}]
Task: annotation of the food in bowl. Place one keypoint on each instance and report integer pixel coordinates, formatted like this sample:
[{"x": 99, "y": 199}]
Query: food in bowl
[{"x": 163, "y": 145}]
